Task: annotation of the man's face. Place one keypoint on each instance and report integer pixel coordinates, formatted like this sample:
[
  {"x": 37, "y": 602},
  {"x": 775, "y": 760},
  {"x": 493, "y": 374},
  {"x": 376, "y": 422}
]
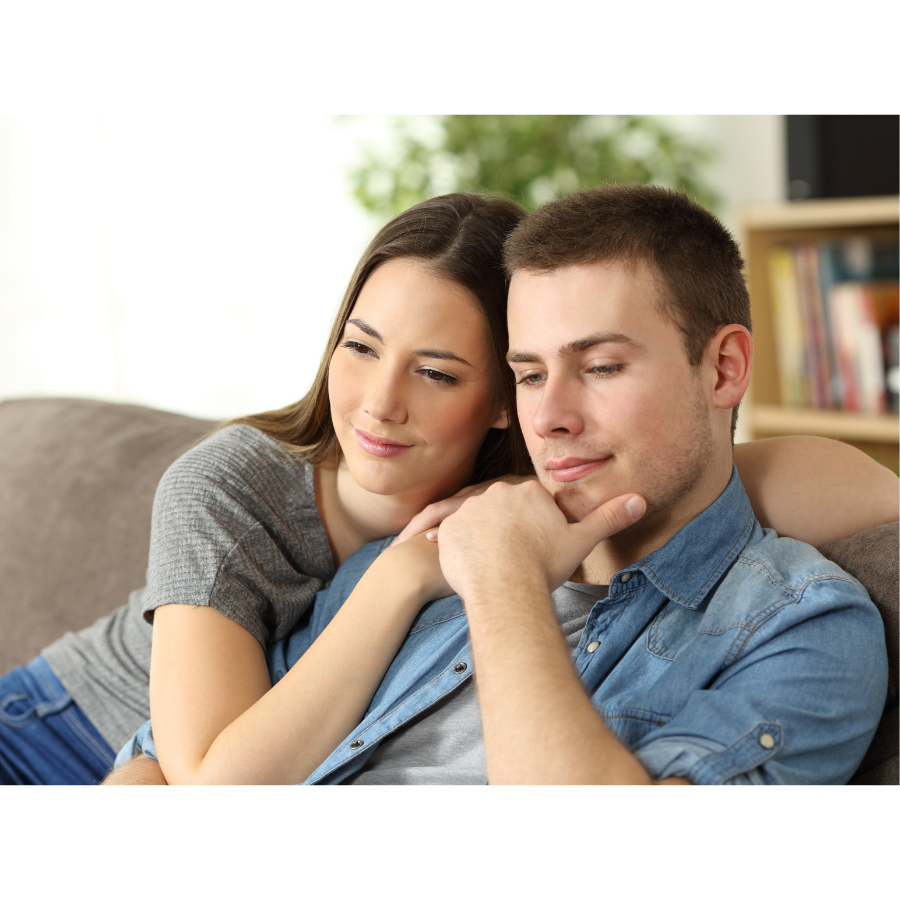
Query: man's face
[{"x": 606, "y": 397}]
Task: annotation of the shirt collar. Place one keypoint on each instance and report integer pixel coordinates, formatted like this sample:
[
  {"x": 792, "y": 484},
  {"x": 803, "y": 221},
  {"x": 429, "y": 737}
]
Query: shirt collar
[{"x": 688, "y": 566}]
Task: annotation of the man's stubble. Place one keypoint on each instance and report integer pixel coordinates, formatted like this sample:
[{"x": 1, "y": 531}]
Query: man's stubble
[{"x": 663, "y": 483}]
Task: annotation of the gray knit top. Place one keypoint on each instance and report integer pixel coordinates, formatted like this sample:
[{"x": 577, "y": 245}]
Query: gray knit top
[{"x": 235, "y": 527}]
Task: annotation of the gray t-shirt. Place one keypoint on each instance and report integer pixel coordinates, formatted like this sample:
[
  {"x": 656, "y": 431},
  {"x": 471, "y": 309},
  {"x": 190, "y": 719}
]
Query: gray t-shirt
[
  {"x": 444, "y": 743},
  {"x": 235, "y": 527}
]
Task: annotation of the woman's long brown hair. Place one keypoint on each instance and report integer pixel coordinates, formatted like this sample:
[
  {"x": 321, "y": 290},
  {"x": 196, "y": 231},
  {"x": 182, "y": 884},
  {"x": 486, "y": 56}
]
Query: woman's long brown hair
[{"x": 460, "y": 237}]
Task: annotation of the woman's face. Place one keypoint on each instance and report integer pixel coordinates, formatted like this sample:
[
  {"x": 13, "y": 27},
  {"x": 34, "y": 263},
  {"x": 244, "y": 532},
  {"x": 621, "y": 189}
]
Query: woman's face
[{"x": 409, "y": 383}]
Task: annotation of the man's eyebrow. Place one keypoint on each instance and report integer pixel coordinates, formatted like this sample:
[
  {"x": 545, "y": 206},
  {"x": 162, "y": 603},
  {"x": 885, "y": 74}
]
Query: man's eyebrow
[
  {"x": 579, "y": 346},
  {"x": 428, "y": 353},
  {"x": 367, "y": 328},
  {"x": 592, "y": 340},
  {"x": 519, "y": 356}
]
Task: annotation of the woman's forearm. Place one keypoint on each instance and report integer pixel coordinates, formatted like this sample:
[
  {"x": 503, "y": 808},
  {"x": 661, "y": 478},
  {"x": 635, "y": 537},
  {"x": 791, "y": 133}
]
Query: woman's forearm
[
  {"x": 816, "y": 489},
  {"x": 292, "y": 728}
]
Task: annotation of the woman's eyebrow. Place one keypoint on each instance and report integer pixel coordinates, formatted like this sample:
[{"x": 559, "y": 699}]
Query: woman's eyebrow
[
  {"x": 429, "y": 354},
  {"x": 442, "y": 354},
  {"x": 367, "y": 328}
]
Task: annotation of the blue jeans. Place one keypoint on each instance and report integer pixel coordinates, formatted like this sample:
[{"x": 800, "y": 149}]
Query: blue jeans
[{"x": 44, "y": 737}]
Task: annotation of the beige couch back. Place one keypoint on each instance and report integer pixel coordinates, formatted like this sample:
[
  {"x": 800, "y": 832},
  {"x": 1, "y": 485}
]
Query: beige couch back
[{"x": 77, "y": 479}]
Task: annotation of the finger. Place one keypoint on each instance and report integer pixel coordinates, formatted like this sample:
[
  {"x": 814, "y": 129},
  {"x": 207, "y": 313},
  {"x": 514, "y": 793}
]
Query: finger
[
  {"x": 610, "y": 518},
  {"x": 432, "y": 535},
  {"x": 426, "y": 519},
  {"x": 430, "y": 517}
]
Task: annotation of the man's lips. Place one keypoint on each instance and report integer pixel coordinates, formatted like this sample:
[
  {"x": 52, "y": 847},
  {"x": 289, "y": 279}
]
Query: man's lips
[
  {"x": 379, "y": 446},
  {"x": 571, "y": 468}
]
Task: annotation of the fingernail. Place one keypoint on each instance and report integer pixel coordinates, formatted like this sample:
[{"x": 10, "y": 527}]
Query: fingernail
[
  {"x": 431, "y": 535},
  {"x": 636, "y": 507}
]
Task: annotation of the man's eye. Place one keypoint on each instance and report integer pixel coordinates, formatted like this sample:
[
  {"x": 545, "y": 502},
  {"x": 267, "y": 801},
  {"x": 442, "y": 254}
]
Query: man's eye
[
  {"x": 442, "y": 377},
  {"x": 531, "y": 380},
  {"x": 602, "y": 371},
  {"x": 357, "y": 347}
]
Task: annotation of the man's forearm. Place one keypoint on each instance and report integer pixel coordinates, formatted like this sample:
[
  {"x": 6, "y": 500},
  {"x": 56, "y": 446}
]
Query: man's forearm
[
  {"x": 503, "y": 553},
  {"x": 539, "y": 724},
  {"x": 139, "y": 770}
]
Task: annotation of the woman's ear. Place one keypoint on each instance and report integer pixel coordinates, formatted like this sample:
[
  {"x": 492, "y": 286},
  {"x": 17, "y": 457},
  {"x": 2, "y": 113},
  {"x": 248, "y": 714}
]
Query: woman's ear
[{"x": 502, "y": 420}]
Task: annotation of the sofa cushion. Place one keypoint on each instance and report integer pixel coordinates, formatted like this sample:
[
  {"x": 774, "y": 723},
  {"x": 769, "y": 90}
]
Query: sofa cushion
[
  {"x": 872, "y": 558},
  {"x": 77, "y": 479}
]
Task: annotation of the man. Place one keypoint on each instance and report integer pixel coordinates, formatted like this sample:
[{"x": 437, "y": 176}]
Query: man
[
  {"x": 687, "y": 647},
  {"x": 720, "y": 653}
]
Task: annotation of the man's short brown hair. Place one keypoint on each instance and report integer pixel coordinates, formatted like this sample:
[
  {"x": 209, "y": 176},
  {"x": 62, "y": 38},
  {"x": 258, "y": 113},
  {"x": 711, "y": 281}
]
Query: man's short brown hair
[{"x": 686, "y": 247}]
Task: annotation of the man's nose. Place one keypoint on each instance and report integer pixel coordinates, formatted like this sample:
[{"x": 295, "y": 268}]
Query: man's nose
[
  {"x": 558, "y": 411},
  {"x": 385, "y": 399}
]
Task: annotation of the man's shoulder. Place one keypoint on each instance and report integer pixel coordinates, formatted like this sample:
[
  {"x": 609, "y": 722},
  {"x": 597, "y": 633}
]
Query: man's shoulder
[
  {"x": 790, "y": 565},
  {"x": 782, "y": 580}
]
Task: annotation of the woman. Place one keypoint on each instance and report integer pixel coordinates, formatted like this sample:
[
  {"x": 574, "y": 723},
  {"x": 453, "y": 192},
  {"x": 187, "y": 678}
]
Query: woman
[{"x": 412, "y": 403}]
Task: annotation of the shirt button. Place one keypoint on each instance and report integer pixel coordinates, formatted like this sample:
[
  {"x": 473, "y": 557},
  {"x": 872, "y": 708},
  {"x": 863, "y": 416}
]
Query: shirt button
[
  {"x": 355, "y": 745},
  {"x": 624, "y": 577},
  {"x": 459, "y": 668},
  {"x": 767, "y": 741},
  {"x": 592, "y": 646}
]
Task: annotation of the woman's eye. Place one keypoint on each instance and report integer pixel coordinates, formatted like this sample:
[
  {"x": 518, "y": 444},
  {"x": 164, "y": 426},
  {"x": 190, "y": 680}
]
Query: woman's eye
[
  {"x": 442, "y": 377},
  {"x": 357, "y": 347}
]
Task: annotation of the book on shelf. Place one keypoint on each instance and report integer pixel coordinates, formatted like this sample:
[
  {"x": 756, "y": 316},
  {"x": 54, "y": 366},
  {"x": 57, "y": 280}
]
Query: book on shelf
[{"x": 834, "y": 306}]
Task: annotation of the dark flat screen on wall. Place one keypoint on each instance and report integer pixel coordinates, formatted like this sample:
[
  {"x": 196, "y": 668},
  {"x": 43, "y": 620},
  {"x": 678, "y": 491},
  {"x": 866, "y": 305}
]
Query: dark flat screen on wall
[{"x": 843, "y": 156}]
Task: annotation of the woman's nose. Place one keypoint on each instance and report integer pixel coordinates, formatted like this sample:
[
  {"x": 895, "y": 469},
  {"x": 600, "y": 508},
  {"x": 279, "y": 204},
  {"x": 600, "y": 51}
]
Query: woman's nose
[
  {"x": 385, "y": 400},
  {"x": 558, "y": 412}
]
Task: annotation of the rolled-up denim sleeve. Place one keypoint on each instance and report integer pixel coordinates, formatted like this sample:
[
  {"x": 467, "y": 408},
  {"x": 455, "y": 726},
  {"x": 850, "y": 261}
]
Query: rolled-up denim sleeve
[
  {"x": 799, "y": 703},
  {"x": 706, "y": 762},
  {"x": 140, "y": 743}
]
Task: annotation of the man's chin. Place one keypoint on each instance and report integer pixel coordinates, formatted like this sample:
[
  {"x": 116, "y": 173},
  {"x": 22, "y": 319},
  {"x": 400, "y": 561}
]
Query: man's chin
[{"x": 576, "y": 505}]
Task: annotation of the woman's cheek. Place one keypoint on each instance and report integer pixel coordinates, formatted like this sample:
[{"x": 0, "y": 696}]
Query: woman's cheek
[
  {"x": 338, "y": 388},
  {"x": 459, "y": 426}
]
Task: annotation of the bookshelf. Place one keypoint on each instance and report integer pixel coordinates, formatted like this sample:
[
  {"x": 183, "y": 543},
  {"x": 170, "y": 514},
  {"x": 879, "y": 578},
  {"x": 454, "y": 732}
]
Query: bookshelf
[{"x": 765, "y": 227}]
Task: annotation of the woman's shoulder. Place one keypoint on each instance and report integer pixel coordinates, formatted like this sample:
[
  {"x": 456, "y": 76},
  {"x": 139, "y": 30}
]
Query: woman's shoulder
[
  {"x": 241, "y": 461},
  {"x": 235, "y": 526}
]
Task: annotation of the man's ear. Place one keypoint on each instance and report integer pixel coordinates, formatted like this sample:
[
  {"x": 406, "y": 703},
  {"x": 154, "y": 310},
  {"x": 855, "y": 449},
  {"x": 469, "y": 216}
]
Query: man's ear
[
  {"x": 731, "y": 354},
  {"x": 502, "y": 420}
]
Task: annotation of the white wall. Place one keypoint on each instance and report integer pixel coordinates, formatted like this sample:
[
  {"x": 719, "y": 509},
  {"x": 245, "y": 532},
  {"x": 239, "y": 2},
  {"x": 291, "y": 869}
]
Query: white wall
[
  {"x": 194, "y": 265},
  {"x": 751, "y": 161},
  {"x": 188, "y": 265}
]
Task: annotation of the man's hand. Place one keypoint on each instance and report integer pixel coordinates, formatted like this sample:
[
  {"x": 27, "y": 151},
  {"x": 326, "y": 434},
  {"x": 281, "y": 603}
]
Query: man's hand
[
  {"x": 512, "y": 532},
  {"x": 505, "y": 552}
]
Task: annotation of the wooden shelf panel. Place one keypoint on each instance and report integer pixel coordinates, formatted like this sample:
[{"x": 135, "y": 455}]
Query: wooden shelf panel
[
  {"x": 876, "y": 218},
  {"x": 865, "y": 211},
  {"x": 765, "y": 420}
]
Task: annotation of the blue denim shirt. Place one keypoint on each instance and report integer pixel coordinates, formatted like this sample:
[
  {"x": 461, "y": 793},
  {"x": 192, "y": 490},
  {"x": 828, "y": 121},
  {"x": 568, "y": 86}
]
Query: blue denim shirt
[{"x": 728, "y": 656}]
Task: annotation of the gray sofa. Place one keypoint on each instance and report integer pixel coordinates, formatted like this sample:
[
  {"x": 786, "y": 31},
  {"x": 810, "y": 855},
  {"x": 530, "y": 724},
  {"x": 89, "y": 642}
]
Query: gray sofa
[{"x": 77, "y": 479}]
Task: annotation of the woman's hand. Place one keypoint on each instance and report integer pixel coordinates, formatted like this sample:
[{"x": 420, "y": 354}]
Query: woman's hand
[
  {"x": 435, "y": 513},
  {"x": 416, "y": 558}
]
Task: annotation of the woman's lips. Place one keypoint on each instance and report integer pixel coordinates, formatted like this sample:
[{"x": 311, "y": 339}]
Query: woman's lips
[
  {"x": 379, "y": 446},
  {"x": 571, "y": 468}
]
